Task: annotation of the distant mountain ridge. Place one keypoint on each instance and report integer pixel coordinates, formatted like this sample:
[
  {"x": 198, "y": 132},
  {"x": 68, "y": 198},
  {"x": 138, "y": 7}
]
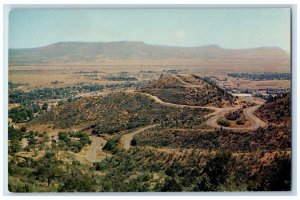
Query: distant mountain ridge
[{"x": 142, "y": 53}]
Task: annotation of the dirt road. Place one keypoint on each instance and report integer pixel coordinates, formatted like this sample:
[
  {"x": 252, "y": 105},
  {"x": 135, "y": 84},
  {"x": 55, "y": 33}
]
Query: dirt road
[
  {"x": 213, "y": 117},
  {"x": 218, "y": 112},
  {"x": 158, "y": 100},
  {"x": 95, "y": 153},
  {"x": 258, "y": 122},
  {"x": 248, "y": 112},
  {"x": 125, "y": 140},
  {"x": 186, "y": 84}
]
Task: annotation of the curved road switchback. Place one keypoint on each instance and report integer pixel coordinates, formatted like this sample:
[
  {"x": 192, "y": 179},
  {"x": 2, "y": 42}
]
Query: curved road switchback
[
  {"x": 125, "y": 140},
  {"x": 248, "y": 112},
  {"x": 211, "y": 121},
  {"x": 218, "y": 112},
  {"x": 95, "y": 153}
]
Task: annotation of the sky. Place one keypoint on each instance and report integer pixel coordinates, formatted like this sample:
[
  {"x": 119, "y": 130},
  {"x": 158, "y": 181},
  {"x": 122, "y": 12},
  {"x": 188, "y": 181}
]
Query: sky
[{"x": 234, "y": 28}]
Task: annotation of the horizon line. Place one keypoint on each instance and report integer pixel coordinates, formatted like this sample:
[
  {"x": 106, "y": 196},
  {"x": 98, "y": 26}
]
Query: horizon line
[{"x": 136, "y": 41}]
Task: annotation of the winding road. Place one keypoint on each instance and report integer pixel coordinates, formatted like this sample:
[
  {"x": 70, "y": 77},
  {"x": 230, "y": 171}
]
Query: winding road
[
  {"x": 158, "y": 100},
  {"x": 211, "y": 121},
  {"x": 248, "y": 112},
  {"x": 186, "y": 84},
  {"x": 95, "y": 153},
  {"x": 125, "y": 140},
  {"x": 218, "y": 112}
]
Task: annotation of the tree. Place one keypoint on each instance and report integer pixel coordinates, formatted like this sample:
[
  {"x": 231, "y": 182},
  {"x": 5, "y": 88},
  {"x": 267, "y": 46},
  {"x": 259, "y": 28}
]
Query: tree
[
  {"x": 76, "y": 180},
  {"x": 133, "y": 142},
  {"x": 170, "y": 171},
  {"x": 14, "y": 135},
  {"x": 203, "y": 184},
  {"x": 110, "y": 145},
  {"x": 63, "y": 136},
  {"x": 171, "y": 185},
  {"x": 45, "y": 138},
  {"x": 270, "y": 98},
  {"x": 61, "y": 102},
  {"x": 23, "y": 129},
  {"x": 276, "y": 176},
  {"x": 49, "y": 168},
  {"x": 223, "y": 123},
  {"x": 31, "y": 138},
  {"x": 20, "y": 114},
  {"x": 15, "y": 145},
  {"x": 35, "y": 108},
  {"x": 45, "y": 106},
  {"x": 19, "y": 188},
  {"x": 217, "y": 168}
]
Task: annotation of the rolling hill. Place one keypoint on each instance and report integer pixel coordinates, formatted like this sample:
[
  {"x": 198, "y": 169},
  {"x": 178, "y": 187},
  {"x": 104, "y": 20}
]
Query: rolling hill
[
  {"x": 188, "y": 90},
  {"x": 277, "y": 110},
  {"x": 141, "y": 53},
  {"x": 116, "y": 112}
]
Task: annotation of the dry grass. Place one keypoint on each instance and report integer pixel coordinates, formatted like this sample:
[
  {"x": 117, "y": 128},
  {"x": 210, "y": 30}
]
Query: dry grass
[
  {"x": 250, "y": 84},
  {"x": 49, "y": 130},
  {"x": 31, "y": 154},
  {"x": 41, "y": 76},
  {"x": 44, "y": 80}
]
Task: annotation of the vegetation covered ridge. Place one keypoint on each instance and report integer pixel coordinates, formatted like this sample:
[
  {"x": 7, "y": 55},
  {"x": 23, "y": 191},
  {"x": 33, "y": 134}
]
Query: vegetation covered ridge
[{"x": 198, "y": 92}]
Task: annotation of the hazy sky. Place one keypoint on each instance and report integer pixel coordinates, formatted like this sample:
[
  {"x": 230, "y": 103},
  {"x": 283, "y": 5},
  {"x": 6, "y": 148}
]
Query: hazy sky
[{"x": 228, "y": 28}]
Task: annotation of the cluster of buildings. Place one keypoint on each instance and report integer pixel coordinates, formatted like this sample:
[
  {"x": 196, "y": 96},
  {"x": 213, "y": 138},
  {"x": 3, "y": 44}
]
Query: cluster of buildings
[{"x": 262, "y": 93}]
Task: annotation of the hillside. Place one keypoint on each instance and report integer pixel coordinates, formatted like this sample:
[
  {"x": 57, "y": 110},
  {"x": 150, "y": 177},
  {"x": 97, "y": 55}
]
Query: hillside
[
  {"x": 141, "y": 53},
  {"x": 116, "y": 112},
  {"x": 178, "y": 153},
  {"x": 277, "y": 110},
  {"x": 188, "y": 90},
  {"x": 268, "y": 139}
]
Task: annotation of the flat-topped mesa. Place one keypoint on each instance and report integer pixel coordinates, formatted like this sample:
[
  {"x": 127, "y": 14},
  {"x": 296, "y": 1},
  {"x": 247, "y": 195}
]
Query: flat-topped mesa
[{"x": 139, "y": 53}]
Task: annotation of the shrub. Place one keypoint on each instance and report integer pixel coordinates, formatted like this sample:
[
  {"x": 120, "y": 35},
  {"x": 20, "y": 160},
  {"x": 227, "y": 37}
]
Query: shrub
[
  {"x": 276, "y": 176},
  {"x": 110, "y": 145},
  {"x": 233, "y": 116},
  {"x": 217, "y": 168},
  {"x": 20, "y": 114},
  {"x": 23, "y": 129},
  {"x": 133, "y": 142},
  {"x": 171, "y": 185},
  {"x": 223, "y": 123},
  {"x": 240, "y": 122},
  {"x": 100, "y": 166},
  {"x": 63, "y": 136}
]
